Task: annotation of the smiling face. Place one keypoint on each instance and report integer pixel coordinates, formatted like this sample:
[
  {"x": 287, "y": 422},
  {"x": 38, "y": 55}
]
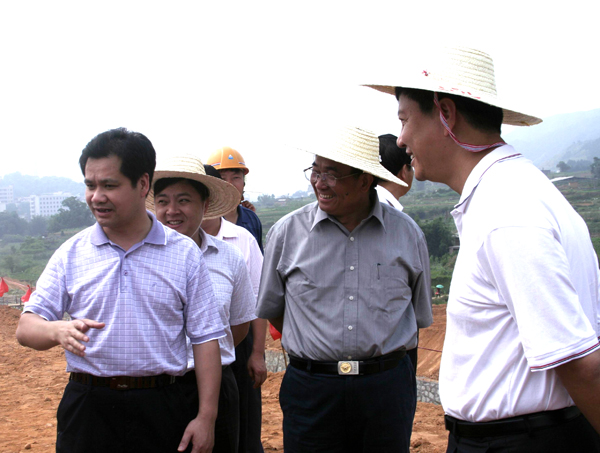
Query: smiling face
[
  {"x": 180, "y": 207},
  {"x": 348, "y": 196},
  {"x": 422, "y": 135},
  {"x": 116, "y": 204}
]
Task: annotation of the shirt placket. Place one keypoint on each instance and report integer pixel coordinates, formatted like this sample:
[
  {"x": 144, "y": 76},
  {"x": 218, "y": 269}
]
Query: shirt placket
[{"x": 351, "y": 273}]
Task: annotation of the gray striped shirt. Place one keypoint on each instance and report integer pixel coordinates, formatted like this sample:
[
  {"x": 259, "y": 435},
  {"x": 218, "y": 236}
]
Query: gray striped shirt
[{"x": 346, "y": 295}]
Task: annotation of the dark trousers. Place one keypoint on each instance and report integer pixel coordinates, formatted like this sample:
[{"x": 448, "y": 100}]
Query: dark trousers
[
  {"x": 228, "y": 418},
  {"x": 98, "y": 419},
  {"x": 330, "y": 413},
  {"x": 250, "y": 399},
  {"x": 574, "y": 436}
]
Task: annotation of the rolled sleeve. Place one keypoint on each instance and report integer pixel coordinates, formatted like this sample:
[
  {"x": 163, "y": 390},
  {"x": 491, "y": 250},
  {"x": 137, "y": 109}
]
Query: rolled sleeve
[{"x": 50, "y": 300}]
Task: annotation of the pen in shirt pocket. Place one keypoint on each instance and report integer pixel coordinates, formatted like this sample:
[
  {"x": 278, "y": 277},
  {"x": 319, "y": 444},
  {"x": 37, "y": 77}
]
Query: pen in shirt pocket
[{"x": 378, "y": 264}]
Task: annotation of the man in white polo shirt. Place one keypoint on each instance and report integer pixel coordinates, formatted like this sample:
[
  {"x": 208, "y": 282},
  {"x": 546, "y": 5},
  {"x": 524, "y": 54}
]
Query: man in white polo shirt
[{"x": 521, "y": 344}]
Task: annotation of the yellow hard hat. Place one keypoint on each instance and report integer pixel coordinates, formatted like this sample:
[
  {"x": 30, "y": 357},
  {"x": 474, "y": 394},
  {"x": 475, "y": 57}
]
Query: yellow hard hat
[{"x": 227, "y": 158}]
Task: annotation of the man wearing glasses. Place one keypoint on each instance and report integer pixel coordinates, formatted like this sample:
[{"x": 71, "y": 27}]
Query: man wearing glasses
[{"x": 345, "y": 279}]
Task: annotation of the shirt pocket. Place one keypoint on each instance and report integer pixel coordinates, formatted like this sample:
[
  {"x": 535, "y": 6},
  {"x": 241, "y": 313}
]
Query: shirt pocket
[{"x": 390, "y": 289}]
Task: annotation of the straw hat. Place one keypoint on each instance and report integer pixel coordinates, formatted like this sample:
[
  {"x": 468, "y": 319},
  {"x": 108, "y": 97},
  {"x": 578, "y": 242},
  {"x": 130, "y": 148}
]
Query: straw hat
[
  {"x": 223, "y": 197},
  {"x": 356, "y": 147},
  {"x": 456, "y": 70}
]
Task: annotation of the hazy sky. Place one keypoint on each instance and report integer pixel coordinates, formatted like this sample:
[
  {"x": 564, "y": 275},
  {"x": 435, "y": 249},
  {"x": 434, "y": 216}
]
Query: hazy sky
[{"x": 258, "y": 76}]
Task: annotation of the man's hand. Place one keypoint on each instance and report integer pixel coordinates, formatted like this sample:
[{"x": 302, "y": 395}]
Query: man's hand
[
  {"x": 257, "y": 368},
  {"x": 201, "y": 434},
  {"x": 71, "y": 334},
  {"x": 37, "y": 333},
  {"x": 248, "y": 205}
]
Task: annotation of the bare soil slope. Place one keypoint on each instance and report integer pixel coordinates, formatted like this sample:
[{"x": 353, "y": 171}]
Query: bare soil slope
[{"x": 32, "y": 382}]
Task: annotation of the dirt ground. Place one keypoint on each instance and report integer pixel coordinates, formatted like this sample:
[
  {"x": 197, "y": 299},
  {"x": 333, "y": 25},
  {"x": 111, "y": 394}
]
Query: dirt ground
[{"x": 32, "y": 383}]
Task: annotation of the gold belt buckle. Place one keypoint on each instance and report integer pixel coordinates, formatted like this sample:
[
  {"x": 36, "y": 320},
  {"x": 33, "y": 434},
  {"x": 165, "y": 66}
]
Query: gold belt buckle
[{"x": 348, "y": 367}]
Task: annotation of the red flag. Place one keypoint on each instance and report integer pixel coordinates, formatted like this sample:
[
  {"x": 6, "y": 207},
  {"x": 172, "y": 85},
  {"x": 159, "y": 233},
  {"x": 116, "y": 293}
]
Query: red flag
[
  {"x": 3, "y": 287},
  {"x": 275, "y": 334},
  {"x": 25, "y": 297}
]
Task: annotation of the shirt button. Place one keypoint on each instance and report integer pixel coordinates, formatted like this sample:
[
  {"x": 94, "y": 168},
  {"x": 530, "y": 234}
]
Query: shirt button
[
  {"x": 125, "y": 273},
  {"x": 351, "y": 268},
  {"x": 351, "y": 298},
  {"x": 349, "y": 327},
  {"x": 349, "y": 357},
  {"x": 352, "y": 238}
]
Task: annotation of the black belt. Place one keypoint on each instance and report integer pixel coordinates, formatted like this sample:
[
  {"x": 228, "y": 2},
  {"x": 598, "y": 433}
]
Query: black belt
[
  {"x": 123, "y": 382},
  {"x": 350, "y": 367},
  {"x": 512, "y": 425}
]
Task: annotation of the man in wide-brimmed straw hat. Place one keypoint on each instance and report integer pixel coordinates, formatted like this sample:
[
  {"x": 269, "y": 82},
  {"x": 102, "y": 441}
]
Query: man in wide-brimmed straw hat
[
  {"x": 344, "y": 280},
  {"x": 183, "y": 196},
  {"x": 521, "y": 343}
]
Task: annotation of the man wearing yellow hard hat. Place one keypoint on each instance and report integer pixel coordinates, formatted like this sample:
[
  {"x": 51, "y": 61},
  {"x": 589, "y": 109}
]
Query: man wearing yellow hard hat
[{"x": 233, "y": 169}]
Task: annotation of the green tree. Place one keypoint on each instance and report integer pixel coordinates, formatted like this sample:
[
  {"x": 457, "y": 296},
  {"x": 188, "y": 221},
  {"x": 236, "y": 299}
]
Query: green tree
[
  {"x": 11, "y": 223},
  {"x": 595, "y": 168},
  {"x": 38, "y": 226},
  {"x": 10, "y": 262},
  {"x": 75, "y": 214},
  {"x": 563, "y": 167},
  {"x": 438, "y": 235}
]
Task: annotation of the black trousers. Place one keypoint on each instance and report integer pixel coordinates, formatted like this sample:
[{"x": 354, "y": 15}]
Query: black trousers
[
  {"x": 98, "y": 419},
  {"x": 331, "y": 413},
  {"x": 227, "y": 424},
  {"x": 574, "y": 436},
  {"x": 250, "y": 399}
]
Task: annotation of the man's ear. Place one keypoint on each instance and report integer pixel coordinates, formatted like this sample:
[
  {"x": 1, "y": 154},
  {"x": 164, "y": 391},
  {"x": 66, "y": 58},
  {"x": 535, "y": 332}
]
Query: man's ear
[
  {"x": 144, "y": 183},
  {"x": 448, "y": 108},
  {"x": 367, "y": 180}
]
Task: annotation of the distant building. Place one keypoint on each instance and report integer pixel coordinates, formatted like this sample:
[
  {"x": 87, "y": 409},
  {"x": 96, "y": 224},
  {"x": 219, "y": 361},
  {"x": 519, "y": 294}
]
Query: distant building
[
  {"x": 6, "y": 194},
  {"x": 47, "y": 204}
]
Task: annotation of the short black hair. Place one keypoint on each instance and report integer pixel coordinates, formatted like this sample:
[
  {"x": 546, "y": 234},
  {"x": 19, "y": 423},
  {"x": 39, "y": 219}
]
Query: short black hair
[
  {"x": 393, "y": 158},
  {"x": 212, "y": 171},
  {"x": 481, "y": 116},
  {"x": 162, "y": 183},
  {"x": 134, "y": 149}
]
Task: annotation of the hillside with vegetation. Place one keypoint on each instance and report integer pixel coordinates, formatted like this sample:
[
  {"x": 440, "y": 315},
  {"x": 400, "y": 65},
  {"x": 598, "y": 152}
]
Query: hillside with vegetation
[{"x": 25, "y": 247}]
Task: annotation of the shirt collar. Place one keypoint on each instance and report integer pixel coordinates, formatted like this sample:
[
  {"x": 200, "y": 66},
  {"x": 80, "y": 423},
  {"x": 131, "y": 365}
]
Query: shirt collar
[
  {"x": 376, "y": 212},
  {"x": 156, "y": 235},
  {"x": 499, "y": 154},
  {"x": 207, "y": 241}
]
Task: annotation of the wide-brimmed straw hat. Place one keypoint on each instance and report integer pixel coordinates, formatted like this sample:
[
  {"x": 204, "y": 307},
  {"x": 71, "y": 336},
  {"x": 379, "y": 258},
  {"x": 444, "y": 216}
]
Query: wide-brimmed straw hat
[
  {"x": 223, "y": 198},
  {"x": 456, "y": 70},
  {"x": 356, "y": 147}
]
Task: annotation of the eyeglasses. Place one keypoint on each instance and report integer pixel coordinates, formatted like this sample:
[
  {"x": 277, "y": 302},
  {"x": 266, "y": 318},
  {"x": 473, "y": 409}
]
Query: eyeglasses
[{"x": 313, "y": 176}]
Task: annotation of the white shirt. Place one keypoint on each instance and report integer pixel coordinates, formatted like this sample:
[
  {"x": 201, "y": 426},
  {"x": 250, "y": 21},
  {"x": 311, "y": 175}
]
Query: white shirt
[
  {"x": 524, "y": 295},
  {"x": 385, "y": 196},
  {"x": 232, "y": 287},
  {"x": 243, "y": 240}
]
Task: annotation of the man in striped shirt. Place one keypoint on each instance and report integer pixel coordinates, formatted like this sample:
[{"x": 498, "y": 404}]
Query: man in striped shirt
[{"x": 133, "y": 289}]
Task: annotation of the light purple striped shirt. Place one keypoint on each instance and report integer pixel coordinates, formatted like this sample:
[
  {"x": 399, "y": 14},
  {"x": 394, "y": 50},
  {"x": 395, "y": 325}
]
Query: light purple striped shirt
[{"x": 149, "y": 297}]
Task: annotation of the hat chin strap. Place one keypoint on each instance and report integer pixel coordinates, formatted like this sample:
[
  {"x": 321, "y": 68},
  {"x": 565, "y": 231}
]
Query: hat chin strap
[{"x": 467, "y": 146}]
